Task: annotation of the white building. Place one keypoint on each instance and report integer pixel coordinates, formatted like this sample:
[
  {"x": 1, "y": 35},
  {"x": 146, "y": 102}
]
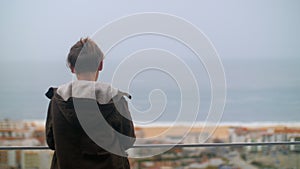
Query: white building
[{"x": 36, "y": 159}]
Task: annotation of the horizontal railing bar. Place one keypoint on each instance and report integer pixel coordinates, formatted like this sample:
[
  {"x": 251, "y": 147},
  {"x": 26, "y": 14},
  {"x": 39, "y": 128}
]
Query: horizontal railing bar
[
  {"x": 24, "y": 148},
  {"x": 217, "y": 144},
  {"x": 169, "y": 145}
]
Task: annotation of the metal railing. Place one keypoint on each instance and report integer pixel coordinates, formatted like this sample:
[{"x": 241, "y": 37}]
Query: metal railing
[{"x": 169, "y": 145}]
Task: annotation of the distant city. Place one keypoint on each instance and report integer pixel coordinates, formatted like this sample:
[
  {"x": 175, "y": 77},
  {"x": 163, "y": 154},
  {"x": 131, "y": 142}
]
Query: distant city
[{"x": 31, "y": 133}]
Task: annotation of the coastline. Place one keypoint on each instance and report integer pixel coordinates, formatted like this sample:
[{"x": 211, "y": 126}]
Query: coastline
[{"x": 198, "y": 124}]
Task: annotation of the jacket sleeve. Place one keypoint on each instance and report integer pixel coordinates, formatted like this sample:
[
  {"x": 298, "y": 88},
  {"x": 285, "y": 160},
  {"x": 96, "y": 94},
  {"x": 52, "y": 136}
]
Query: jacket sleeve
[
  {"x": 49, "y": 128},
  {"x": 127, "y": 127}
]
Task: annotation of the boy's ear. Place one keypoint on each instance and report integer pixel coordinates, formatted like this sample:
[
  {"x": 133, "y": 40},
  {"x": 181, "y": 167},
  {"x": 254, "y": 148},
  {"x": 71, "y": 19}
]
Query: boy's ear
[
  {"x": 100, "y": 66},
  {"x": 72, "y": 70}
]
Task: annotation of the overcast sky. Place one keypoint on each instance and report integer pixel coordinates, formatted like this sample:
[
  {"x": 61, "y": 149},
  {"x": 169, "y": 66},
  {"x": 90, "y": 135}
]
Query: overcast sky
[{"x": 258, "y": 44}]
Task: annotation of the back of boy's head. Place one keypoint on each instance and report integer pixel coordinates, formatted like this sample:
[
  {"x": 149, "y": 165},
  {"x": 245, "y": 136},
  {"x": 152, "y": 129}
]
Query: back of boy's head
[{"x": 84, "y": 56}]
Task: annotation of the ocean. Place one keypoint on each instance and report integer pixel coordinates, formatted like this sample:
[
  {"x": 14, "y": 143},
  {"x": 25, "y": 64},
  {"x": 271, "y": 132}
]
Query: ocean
[{"x": 254, "y": 93}]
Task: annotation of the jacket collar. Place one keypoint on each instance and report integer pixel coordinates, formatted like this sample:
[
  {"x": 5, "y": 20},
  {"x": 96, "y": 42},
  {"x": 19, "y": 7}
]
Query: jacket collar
[{"x": 102, "y": 92}]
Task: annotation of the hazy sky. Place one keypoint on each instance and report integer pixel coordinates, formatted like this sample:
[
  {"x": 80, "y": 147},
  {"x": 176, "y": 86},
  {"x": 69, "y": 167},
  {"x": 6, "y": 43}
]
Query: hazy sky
[{"x": 258, "y": 43}]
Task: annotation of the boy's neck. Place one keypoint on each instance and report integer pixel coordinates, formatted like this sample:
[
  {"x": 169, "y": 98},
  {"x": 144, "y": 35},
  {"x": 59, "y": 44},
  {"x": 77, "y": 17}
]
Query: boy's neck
[{"x": 89, "y": 76}]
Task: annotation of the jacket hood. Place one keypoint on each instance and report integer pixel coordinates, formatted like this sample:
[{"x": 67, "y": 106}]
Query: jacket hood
[{"x": 103, "y": 93}]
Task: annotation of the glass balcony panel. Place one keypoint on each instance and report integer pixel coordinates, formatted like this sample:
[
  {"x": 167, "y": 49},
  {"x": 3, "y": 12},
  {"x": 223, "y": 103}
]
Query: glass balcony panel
[{"x": 283, "y": 156}]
